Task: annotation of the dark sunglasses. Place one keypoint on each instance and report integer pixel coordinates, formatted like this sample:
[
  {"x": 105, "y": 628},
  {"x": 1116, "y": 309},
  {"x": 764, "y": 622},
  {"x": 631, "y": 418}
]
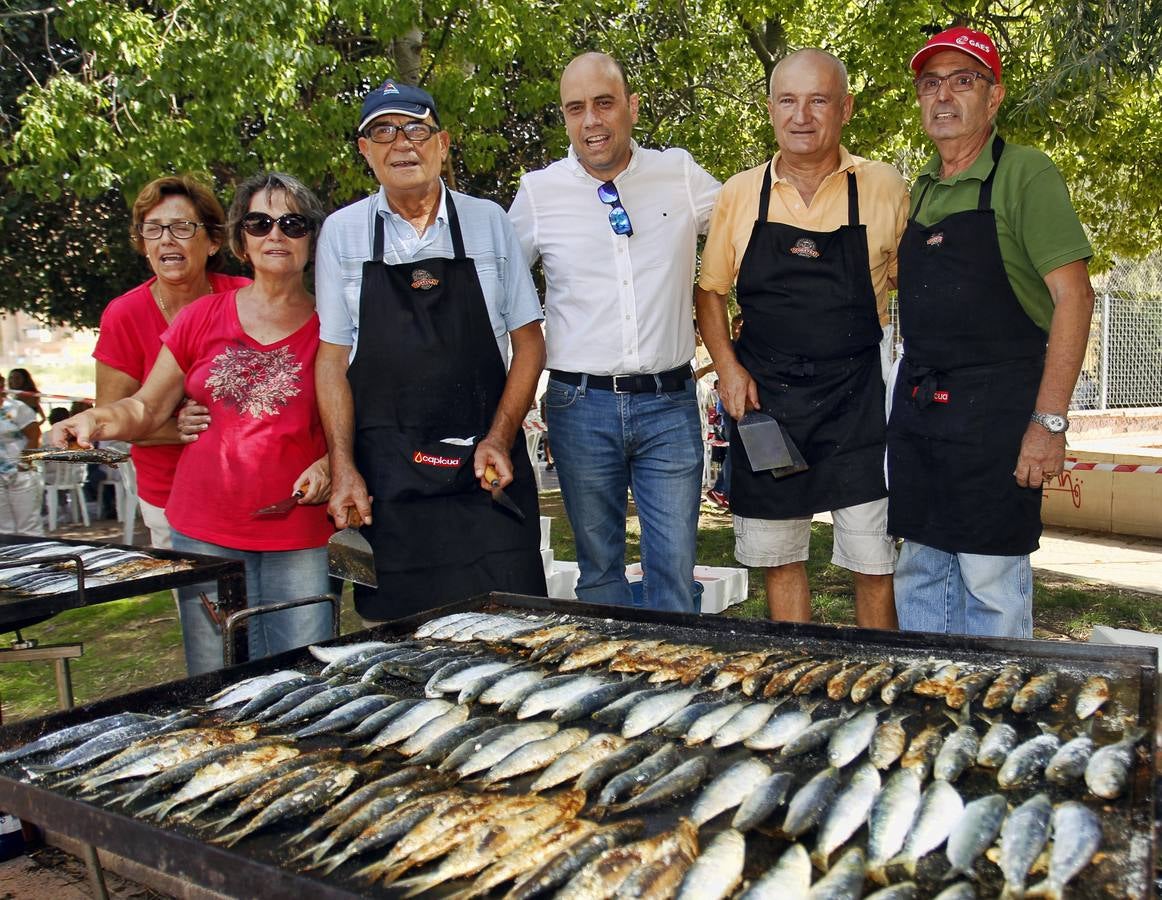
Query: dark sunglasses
[
  {"x": 292, "y": 225},
  {"x": 618, "y": 217}
]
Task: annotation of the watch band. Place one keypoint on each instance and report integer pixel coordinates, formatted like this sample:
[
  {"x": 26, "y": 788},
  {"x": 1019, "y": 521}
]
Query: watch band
[{"x": 1051, "y": 422}]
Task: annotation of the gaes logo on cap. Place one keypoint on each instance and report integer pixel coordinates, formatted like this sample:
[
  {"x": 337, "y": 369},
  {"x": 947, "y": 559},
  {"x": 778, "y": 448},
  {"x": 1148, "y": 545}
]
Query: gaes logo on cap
[{"x": 976, "y": 44}]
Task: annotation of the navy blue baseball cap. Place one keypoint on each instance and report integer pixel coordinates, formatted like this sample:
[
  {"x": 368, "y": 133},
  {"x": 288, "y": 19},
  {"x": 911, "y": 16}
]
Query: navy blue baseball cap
[{"x": 396, "y": 97}]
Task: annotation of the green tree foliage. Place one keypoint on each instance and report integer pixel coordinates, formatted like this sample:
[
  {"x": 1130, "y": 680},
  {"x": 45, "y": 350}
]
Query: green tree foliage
[{"x": 99, "y": 96}]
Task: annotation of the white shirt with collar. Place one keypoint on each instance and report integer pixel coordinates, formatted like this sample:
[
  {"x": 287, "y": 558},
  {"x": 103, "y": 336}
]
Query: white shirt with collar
[
  {"x": 614, "y": 304},
  {"x": 346, "y": 242}
]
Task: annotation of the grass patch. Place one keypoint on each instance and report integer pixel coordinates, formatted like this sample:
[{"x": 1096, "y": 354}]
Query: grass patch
[{"x": 132, "y": 644}]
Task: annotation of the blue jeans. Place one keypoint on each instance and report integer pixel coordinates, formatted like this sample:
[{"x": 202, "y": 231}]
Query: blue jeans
[
  {"x": 604, "y": 443},
  {"x": 963, "y": 593},
  {"x": 271, "y": 577}
]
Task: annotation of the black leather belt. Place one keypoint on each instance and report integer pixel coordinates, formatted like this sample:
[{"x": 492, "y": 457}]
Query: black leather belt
[{"x": 673, "y": 380}]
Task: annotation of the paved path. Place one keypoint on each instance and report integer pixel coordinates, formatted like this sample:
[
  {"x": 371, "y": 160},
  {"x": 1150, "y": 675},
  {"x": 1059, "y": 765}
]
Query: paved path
[{"x": 1115, "y": 559}]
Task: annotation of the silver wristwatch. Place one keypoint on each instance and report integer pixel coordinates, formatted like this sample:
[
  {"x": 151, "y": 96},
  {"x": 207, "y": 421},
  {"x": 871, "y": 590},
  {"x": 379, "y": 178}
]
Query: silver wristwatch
[{"x": 1051, "y": 422}]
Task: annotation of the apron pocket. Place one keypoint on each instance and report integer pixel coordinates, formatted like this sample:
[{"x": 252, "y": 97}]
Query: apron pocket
[{"x": 429, "y": 468}]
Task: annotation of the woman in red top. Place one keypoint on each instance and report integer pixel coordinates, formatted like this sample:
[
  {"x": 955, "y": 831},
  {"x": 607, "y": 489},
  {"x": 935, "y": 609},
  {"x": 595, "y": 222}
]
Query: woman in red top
[
  {"x": 248, "y": 354},
  {"x": 178, "y": 225}
]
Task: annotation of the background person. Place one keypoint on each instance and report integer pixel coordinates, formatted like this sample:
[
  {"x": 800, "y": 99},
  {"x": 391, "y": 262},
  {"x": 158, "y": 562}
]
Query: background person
[
  {"x": 177, "y": 224},
  {"x": 810, "y": 240},
  {"x": 20, "y": 485},
  {"x": 247, "y": 354},
  {"x": 615, "y": 227},
  {"x": 995, "y": 305},
  {"x": 421, "y": 292},
  {"x": 22, "y": 385}
]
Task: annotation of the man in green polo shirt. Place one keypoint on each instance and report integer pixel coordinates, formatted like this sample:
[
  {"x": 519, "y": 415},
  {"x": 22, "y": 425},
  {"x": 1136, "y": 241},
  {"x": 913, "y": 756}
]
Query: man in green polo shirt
[{"x": 995, "y": 303}]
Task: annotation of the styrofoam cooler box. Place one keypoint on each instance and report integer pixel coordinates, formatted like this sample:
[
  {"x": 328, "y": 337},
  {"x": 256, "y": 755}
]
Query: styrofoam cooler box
[
  {"x": 722, "y": 586},
  {"x": 546, "y": 524},
  {"x": 547, "y": 561},
  {"x": 562, "y": 580}
]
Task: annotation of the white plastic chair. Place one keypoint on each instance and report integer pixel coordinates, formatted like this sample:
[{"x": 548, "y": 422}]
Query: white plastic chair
[
  {"x": 67, "y": 479},
  {"x": 123, "y": 479}
]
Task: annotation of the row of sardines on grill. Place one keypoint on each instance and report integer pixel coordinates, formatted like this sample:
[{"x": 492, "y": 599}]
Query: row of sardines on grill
[
  {"x": 562, "y": 756},
  {"x": 46, "y": 567}
]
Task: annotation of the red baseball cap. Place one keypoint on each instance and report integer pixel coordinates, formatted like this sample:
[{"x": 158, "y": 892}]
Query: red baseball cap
[{"x": 975, "y": 43}]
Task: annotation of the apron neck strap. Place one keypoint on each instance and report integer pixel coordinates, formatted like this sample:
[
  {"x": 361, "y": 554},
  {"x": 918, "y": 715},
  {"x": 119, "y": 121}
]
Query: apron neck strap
[
  {"x": 765, "y": 193},
  {"x": 986, "y": 189},
  {"x": 852, "y": 200},
  {"x": 453, "y": 226}
]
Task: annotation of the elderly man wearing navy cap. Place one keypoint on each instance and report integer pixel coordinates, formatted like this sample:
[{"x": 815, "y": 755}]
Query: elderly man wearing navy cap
[
  {"x": 424, "y": 296},
  {"x": 995, "y": 303}
]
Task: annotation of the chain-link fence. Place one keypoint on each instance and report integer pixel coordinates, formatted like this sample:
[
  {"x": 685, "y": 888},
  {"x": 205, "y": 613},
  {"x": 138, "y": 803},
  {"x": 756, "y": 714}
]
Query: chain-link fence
[{"x": 1123, "y": 359}]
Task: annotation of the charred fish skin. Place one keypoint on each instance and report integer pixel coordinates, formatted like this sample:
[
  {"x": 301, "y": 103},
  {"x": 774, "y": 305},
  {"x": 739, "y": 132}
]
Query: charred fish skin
[
  {"x": 966, "y": 689},
  {"x": 787, "y": 879},
  {"x": 529, "y": 856},
  {"x": 1108, "y": 769},
  {"x": 718, "y": 869},
  {"x": 1077, "y": 836},
  {"x": 1027, "y": 762},
  {"x": 849, "y": 811},
  {"x": 1004, "y": 688},
  {"x": 888, "y": 742},
  {"x": 974, "y": 833},
  {"x": 867, "y": 683},
  {"x": 840, "y": 685},
  {"x": 758, "y": 806},
  {"x": 558, "y": 869},
  {"x": 921, "y": 753},
  {"x": 1092, "y": 695},
  {"x": 904, "y": 681},
  {"x": 1023, "y": 836},
  {"x": 1037, "y": 692},
  {"x": 904, "y": 890},
  {"x": 818, "y": 677}
]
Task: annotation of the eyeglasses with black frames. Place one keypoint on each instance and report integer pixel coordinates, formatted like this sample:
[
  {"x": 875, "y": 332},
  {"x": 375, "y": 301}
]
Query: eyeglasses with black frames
[
  {"x": 182, "y": 230},
  {"x": 293, "y": 225},
  {"x": 959, "y": 81},
  {"x": 618, "y": 217},
  {"x": 386, "y": 133}
]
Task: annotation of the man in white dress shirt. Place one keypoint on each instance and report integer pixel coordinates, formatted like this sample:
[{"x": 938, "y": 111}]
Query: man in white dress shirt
[{"x": 615, "y": 227}]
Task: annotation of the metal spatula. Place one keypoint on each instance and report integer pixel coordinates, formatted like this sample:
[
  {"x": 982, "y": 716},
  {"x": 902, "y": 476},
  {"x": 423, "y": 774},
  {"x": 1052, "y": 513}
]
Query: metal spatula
[
  {"x": 763, "y": 440},
  {"x": 349, "y": 556}
]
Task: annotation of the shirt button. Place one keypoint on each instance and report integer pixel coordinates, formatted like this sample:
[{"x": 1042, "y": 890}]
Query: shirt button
[{"x": 625, "y": 283}]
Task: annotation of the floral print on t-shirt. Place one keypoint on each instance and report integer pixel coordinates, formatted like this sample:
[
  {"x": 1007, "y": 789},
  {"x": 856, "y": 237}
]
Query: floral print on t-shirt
[{"x": 257, "y": 382}]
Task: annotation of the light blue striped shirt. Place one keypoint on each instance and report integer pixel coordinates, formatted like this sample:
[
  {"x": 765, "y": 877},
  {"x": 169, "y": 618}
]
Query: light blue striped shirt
[{"x": 346, "y": 243}]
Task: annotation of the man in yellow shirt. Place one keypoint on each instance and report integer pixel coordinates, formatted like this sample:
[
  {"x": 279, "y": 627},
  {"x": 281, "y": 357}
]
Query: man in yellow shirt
[{"x": 809, "y": 239}]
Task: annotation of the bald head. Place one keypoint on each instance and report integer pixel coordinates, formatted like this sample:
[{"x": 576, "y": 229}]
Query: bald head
[
  {"x": 812, "y": 58},
  {"x": 594, "y": 63},
  {"x": 809, "y": 105}
]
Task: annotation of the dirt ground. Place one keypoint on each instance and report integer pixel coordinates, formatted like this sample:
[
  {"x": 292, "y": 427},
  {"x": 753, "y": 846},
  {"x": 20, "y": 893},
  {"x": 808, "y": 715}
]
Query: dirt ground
[{"x": 51, "y": 874}]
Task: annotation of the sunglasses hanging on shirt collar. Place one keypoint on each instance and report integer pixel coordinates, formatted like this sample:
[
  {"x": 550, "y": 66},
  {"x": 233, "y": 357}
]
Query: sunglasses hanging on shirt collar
[{"x": 618, "y": 217}]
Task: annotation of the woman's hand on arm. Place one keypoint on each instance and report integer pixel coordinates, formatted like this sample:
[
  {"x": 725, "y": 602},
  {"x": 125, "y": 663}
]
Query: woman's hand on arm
[{"x": 192, "y": 420}]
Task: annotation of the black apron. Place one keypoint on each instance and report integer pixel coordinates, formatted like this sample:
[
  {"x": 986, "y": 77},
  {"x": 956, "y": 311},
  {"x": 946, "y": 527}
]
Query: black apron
[
  {"x": 810, "y": 340},
  {"x": 427, "y": 368},
  {"x": 966, "y": 387}
]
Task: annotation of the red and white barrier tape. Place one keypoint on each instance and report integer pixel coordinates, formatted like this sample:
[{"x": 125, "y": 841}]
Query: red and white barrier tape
[{"x": 1079, "y": 466}]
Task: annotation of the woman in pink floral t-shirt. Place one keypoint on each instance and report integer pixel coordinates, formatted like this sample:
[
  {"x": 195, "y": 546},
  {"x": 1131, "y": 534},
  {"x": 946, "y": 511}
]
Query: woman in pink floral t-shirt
[{"x": 247, "y": 354}]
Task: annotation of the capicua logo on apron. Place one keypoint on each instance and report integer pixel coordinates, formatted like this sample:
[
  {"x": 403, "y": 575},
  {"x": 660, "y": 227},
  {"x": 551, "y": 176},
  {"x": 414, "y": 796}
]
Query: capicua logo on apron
[
  {"x": 423, "y": 280},
  {"x": 805, "y": 247},
  {"x": 431, "y": 459}
]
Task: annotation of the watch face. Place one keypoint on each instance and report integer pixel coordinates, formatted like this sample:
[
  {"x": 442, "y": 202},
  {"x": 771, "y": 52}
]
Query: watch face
[{"x": 1050, "y": 422}]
